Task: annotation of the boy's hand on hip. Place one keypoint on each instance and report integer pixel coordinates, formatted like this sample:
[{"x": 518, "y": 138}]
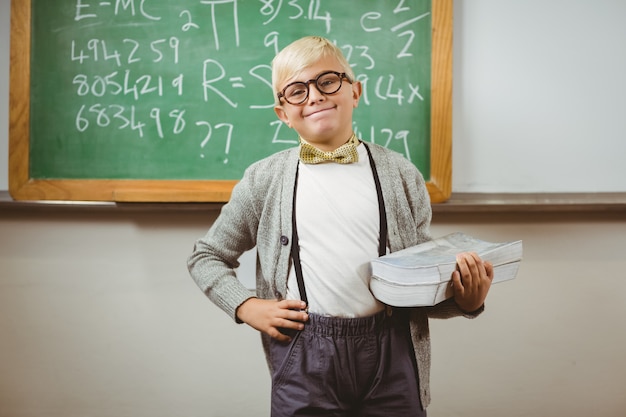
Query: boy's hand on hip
[
  {"x": 471, "y": 281},
  {"x": 268, "y": 316}
]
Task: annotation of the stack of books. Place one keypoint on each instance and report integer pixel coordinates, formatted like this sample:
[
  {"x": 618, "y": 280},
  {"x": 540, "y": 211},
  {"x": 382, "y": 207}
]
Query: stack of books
[{"x": 421, "y": 275}]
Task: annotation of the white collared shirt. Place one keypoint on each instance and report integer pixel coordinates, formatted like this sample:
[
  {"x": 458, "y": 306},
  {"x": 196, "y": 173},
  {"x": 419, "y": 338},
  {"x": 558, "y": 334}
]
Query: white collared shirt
[{"x": 338, "y": 231}]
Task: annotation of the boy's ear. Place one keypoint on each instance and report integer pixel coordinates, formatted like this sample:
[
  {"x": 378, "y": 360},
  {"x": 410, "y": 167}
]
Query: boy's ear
[
  {"x": 282, "y": 115},
  {"x": 357, "y": 90}
]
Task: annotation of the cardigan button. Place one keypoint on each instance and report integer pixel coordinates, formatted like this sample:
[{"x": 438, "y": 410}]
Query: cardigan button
[{"x": 284, "y": 240}]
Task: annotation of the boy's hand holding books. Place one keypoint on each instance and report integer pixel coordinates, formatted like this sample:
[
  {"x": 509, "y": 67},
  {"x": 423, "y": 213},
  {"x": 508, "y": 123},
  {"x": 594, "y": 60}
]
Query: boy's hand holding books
[
  {"x": 456, "y": 265},
  {"x": 471, "y": 281}
]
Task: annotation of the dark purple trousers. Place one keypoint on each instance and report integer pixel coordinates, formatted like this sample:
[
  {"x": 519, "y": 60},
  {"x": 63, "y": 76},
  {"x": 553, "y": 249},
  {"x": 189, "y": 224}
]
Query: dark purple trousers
[{"x": 361, "y": 367}]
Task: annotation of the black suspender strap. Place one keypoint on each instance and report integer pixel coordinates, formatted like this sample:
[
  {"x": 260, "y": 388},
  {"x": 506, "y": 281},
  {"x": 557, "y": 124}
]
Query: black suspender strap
[
  {"x": 382, "y": 214},
  {"x": 295, "y": 246}
]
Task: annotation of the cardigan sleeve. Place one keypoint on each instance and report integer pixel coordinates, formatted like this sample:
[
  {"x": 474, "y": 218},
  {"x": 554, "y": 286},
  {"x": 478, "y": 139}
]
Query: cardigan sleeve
[
  {"x": 252, "y": 217},
  {"x": 215, "y": 256}
]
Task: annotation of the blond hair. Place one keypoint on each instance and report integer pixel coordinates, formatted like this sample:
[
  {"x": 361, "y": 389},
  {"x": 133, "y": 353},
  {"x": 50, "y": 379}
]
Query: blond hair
[{"x": 303, "y": 53}]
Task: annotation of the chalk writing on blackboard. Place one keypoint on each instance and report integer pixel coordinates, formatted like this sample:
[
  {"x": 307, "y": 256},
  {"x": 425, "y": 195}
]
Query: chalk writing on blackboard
[{"x": 151, "y": 89}]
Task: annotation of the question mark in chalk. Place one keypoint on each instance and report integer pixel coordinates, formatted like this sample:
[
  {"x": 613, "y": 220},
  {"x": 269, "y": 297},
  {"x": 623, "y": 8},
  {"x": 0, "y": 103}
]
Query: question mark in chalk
[
  {"x": 210, "y": 132},
  {"x": 227, "y": 147},
  {"x": 207, "y": 137}
]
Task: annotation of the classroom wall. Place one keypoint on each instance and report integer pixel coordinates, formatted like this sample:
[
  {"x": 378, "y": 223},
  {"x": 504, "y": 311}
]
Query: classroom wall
[
  {"x": 99, "y": 318},
  {"x": 538, "y": 96}
]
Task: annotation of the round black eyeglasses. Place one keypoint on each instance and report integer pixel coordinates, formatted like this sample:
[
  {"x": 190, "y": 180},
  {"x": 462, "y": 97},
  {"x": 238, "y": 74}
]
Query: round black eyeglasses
[{"x": 326, "y": 83}]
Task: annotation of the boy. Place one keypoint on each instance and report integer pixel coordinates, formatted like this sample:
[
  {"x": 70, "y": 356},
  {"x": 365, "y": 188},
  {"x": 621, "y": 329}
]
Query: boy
[{"x": 332, "y": 348}]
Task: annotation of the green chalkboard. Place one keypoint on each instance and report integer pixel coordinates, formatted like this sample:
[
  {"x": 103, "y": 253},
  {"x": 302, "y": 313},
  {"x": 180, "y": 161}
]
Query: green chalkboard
[{"x": 154, "y": 90}]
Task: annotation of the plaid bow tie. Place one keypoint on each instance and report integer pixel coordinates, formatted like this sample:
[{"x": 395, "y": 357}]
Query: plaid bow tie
[{"x": 345, "y": 154}]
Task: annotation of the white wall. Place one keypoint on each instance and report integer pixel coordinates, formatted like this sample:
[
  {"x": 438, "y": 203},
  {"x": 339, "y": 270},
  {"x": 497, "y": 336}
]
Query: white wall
[
  {"x": 99, "y": 318},
  {"x": 551, "y": 342},
  {"x": 539, "y": 91}
]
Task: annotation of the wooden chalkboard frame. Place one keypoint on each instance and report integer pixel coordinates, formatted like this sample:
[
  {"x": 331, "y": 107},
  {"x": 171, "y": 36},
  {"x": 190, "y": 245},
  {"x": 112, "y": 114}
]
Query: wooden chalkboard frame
[{"x": 23, "y": 187}]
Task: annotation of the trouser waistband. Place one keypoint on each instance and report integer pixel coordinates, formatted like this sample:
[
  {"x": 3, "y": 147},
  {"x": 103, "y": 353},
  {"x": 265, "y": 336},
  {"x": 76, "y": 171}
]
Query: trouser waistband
[{"x": 358, "y": 326}]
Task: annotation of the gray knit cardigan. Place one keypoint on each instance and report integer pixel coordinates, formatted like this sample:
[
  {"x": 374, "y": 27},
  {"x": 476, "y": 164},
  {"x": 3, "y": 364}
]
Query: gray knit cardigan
[{"x": 259, "y": 214}]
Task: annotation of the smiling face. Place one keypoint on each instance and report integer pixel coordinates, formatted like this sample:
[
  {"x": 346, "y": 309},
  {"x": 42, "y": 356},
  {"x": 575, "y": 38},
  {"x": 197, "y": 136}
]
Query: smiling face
[{"x": 322, "y": 120}]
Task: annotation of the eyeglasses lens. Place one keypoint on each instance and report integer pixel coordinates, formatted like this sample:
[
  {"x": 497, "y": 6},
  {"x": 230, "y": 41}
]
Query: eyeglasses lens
[{"x": 328, "y": 83}]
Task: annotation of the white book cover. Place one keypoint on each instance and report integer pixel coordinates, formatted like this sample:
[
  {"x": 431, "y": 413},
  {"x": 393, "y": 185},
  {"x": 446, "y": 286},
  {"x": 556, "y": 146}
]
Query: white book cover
[
  {"x": 435, "y": 260},
  {"x": 421, "y": 275},
  {"x": 428, "y": 294}
]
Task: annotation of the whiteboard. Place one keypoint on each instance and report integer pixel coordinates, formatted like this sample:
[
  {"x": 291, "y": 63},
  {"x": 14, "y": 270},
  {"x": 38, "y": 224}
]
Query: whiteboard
[{"x": 538, "y": 98}]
